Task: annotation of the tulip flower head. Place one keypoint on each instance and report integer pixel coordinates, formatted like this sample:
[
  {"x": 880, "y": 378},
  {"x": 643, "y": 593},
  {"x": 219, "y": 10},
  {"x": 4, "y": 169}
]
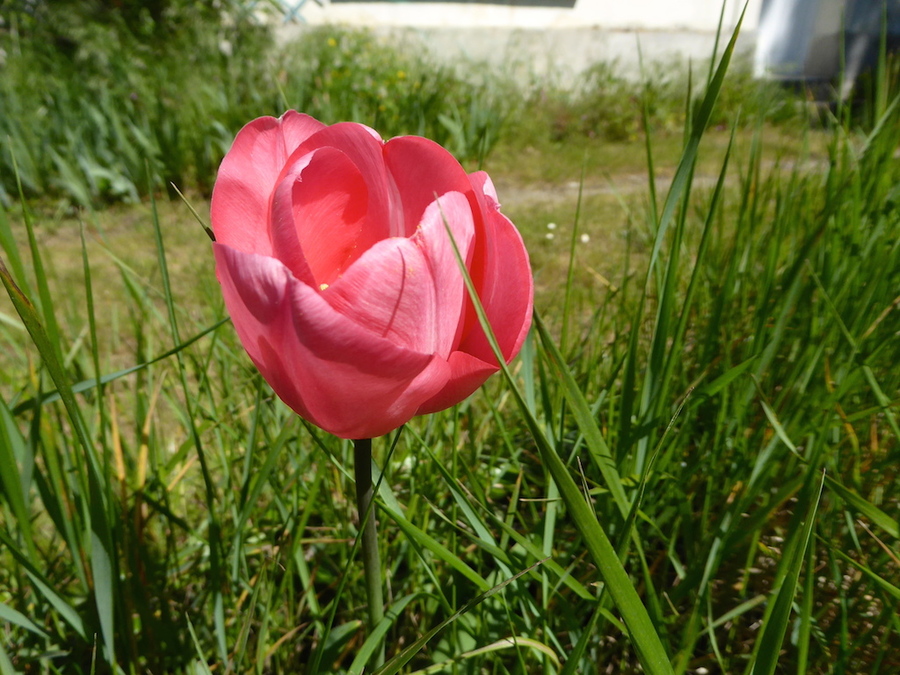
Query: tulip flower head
[{"x": 334, "y": 254}]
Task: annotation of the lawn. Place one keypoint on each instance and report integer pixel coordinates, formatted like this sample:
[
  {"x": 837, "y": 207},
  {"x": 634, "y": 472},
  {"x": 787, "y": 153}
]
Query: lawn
[{"x": 691, "y": 467}]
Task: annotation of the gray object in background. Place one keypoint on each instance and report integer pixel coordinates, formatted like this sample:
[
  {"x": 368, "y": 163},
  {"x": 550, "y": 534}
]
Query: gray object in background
[{"x": 802, "y": 40}]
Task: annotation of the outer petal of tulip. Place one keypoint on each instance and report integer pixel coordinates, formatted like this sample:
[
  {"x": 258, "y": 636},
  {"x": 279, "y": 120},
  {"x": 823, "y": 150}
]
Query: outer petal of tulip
[
  {"x": 422, "y": 170},
  {"x": 503, "y": 278},
  {"x": 506, "y": 289},
  {"x": 330, "y": 370},
  {"x": 467, "y": 373},
  {"x": 247, "y": 176},
  {"x": 506, "y": 293}
]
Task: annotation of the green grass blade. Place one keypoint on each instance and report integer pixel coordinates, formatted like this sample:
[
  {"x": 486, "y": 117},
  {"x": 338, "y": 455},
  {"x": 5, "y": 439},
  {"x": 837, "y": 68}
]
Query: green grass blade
[
  {"x": 573, "y": 658},
  {"x": 11, "y": 251},
  {"x": 92, "y": 383},
  {"x": 865, "y": 507},
  {"x": 12, "y": 451},
  {"x": 215, "y": 530},
  {"x": 375, "y": 639},
  {"x": 444, "y": 554},
  {"x": 587, "y": 422},
  {"x": 40, "y": 276},
  {"x": 722, "y": 382},
  {"x": 775, "y": 625},
  {"x": 200, "y": 665},
  {"x": 550, "y": 565},
  {"x": 16, "y": 618},
  {"x": 505, "y": 643},
  {"x": 880, "y": 581},
  {"x": 92, "y": 331},
  {"x": 674, "y": 342},
  {"x": 683, "y": 174},
  {"x": 650, "y": 650},
  {"x": 570, "y": 272},
  {"x": 259, "y": 481},
  {"x": 6, "y": 666}
]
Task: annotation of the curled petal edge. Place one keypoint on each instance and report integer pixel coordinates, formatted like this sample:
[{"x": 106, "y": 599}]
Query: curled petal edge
[{"x": 323, "y": 366}]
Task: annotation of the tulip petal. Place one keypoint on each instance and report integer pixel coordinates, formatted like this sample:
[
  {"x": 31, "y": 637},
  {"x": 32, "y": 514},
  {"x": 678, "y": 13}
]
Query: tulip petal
[
  {"x": 467, "y": 373},
  {"x": 318, "y": 211},
  {"x": 365, "y": 149},
  {"x": 502, "y": 274},
  {"x": 410, "y": 291},
  {"x": 327, "y": 368},
  {"x": 485, "y": 186},
  {"x": 247, "y": 177},
  {"x": 423, "y": 170}
]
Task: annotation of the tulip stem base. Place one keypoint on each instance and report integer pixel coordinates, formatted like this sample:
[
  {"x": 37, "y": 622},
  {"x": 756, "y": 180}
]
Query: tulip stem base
[{"x": 362, "y": 463}]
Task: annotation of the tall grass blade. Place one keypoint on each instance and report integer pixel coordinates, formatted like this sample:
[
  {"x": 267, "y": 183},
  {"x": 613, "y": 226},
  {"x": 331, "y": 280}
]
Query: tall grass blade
[
  {"x": 87, "y": 385},
  {"x": 40, "y": 277},
  {"x": 775, "y": 624},
  {"x": 600, "y": 452},
  {"x": 13, "y": 453},
  {"x": 11, "y": 251},
  {"x": 880, "y": 581},
  {"x": 442, "y": 553},
  {"x": 572, "y": 665},
  {"x": 865, "y": 507},
  {"x": 683, "y": 174},
  {"x": 6, "y": 666},
  {"x": 9, "y": 615},
  {"x": 375, "y": 639},
  {"x": 565, "y": 576}
]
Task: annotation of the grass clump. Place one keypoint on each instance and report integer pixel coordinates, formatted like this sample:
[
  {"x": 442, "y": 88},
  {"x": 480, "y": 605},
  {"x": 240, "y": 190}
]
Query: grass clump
[
  {"x": 111, "y": 110},
  {"x": 98, "y": 110},
  {"x": 334, "y": 74}
]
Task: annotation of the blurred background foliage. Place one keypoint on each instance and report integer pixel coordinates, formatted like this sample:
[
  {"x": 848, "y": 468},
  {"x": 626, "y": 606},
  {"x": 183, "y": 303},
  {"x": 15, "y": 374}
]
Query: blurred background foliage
[
  {"x": 95, "y": 94},
  {"x": 104, "y": 100}
]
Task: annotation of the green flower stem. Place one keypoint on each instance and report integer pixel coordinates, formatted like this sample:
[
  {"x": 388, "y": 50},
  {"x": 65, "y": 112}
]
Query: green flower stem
[{"x": 362, "y": 464}]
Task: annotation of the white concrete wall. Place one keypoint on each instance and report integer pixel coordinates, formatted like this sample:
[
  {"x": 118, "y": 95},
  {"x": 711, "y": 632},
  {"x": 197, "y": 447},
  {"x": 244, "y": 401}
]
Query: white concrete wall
[
  {"x": 667, "y": 15},
  {"x": 556, "y": 42}
]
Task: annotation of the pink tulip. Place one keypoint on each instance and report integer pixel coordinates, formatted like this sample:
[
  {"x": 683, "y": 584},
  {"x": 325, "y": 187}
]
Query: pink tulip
[{"x": 336, "y": 266}]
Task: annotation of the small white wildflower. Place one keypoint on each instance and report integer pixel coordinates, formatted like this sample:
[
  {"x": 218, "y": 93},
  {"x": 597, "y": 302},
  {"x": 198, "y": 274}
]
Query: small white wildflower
[
  {"x": 550, "y": 235},
  {"x": 585, "y": 238},
  {"x": 551, "y": 226}
]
